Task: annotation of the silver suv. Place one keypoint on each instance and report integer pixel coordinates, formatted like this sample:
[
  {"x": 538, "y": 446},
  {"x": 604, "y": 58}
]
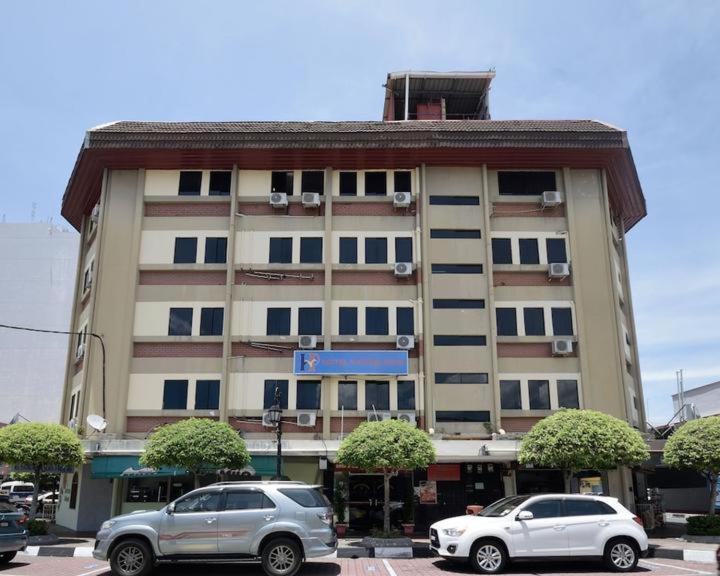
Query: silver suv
[{"x": 280, "y": 523}]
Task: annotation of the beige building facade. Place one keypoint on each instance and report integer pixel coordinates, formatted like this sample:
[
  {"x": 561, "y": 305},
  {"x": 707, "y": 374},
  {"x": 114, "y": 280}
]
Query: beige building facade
[{"x": 210, "y": 251}]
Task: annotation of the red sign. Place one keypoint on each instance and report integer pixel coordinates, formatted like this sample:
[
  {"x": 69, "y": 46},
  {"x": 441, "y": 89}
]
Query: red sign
[{"x": 446, "y": 472}]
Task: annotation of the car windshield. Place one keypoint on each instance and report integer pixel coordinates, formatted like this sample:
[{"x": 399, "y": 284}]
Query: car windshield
[
  {"x": 23, "y": 489},
  {"x": 504, "y": 506}
]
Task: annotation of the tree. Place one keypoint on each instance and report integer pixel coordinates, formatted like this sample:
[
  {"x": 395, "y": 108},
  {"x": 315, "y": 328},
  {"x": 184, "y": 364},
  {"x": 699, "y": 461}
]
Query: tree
[
  {"x": 388, "y": 447},
  {"x": 195, "y": 444},
  {"x": 696, "y": 446},
  {"x": 582, "y": 440},
  {"x": 39, "y": 446}
]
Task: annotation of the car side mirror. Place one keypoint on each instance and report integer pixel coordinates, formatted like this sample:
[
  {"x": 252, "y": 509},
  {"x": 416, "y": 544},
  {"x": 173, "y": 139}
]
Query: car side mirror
[
  {"x": 170, "y": 508},
  {"x": 524, "y": 515}
]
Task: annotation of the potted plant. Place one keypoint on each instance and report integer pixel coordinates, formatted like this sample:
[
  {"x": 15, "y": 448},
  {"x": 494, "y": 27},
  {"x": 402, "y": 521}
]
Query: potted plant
[
  {"x": 408, "y": 510},
  {"x": 339, "y": 507}
]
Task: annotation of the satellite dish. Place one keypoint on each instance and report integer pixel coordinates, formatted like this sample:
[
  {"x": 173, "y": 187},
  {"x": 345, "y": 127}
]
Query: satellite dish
[{"x": 97, "y": 422}]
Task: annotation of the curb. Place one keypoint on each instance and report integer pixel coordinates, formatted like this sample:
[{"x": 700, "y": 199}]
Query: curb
[
  {"x": 59, "y": 551},
  {"x": 684, "y": 554}
]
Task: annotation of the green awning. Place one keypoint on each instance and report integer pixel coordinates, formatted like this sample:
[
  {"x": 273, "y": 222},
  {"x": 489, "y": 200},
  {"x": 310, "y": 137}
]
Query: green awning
[{"x": 127, "y": 467}]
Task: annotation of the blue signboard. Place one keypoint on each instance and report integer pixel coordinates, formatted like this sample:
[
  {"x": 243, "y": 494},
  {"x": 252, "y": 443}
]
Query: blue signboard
[{"x": 346, "y": 362}]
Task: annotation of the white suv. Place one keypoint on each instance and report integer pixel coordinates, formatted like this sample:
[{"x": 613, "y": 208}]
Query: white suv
[{"x": 551, "y": 526}]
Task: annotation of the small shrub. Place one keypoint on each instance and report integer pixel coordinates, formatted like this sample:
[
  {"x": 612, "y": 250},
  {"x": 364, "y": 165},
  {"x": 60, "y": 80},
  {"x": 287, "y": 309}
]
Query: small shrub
[
  {"x": 703, "y": 525},
  {"x": 37, "y": 527}
]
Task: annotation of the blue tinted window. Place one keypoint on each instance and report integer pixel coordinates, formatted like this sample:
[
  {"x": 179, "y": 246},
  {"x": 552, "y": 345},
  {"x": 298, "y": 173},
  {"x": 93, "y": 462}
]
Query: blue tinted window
[
  {"x": 562, "y": 322},
  {"x": 377, "y": 395},
  {"x": 454, "y": 201},
  {"x": 211, "y": 322},
  {"x": 348, "y": 250},
  {"x": 348, "y": 321},
  {"x": 461, "y": 378},
  {"x": 406, "y": 395},
  {"x": 506, "y": 321},
  {"x": 207, "y": 394},
  {"x": 175, "y": 395},
  {"x": 403, "y": 250},
  {"x": 446, "y": 233},
  {"x": 278, "y": 321},
  {"x": 529, "y": 253},
  {"x": 502, "y": 251},
  {"x": 310, "y": 321},
  {"x": 180, "y": 322},
  {"x": 405, "y": 321},
  {"x": 347, "y": 395},
  {"x": 308, "y": 395},
  {"x": 453, "y": 303},
  {"x": 375, "y": 250},
  {"x": 534, "y": 321},
  {"x": 510, "y": 395},
  {"x": 280, "y": 250},
  {"x": 190, "y": 183},
  {"x": 462, "y": 416},
  {"x": 456, "y": 268},
  {"x": 269, "y": 393},
  {"x": 185, "y": 250},
  {"x": 448, "y": 340},
  {"x": 556, "y": 250},
  {"x": 215, "y": 250},
  {"x": 376, "y": 321},
  {"x": 311, "y": 250}
]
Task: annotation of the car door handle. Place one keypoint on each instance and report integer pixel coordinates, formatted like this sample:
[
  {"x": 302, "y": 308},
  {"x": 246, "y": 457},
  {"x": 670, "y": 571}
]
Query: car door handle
[
  {"x": 210, "y": 520},
  {"x": 269, "y": 517},
  {"x": 559, "y": 527}
]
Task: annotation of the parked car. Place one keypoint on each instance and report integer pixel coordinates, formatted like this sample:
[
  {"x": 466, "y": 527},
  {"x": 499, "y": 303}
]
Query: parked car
[
  {"x": 13, "y": 536},
  {"x": 43, "y": 499},
  {"x": 717, "y": 555},
  {"x": 532, "y": 527},
  {"x": 279, "y": 523},
  {"x": 16, "y": 491}
]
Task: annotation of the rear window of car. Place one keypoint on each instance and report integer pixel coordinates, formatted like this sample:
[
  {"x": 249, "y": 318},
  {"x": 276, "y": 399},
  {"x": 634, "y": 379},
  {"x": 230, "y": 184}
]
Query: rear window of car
[
  {"x": 587, "y": 508},
  {"x": 6, "y": 507},
  {"x": 306, "y": 497},
  {"x": 22, "y": 489}
]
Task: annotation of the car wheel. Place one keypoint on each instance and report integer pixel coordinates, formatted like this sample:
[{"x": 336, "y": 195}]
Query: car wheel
[
  {"x": 6, "y": 557},
  {"x": 621, "y": 555},
  {"x": 281, "y": 557},
  {"x": 488, "y": 556},
  {"x": 131, "y": 557}
]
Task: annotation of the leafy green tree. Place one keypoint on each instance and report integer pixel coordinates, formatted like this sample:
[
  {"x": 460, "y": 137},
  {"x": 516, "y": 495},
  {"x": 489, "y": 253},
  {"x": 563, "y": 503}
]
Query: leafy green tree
[
  {"x": 388, "y": 447},
  {"x": 195, "y": 444},
  {"x": 696, "y": 446},
  {"x": 38, "y": 446},
  {"x": 582, "y": 440}
]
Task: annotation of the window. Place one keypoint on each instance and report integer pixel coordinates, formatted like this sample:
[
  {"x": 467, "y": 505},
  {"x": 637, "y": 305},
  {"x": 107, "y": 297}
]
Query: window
[
  {"x": 446, "y": 233},
  {"x": 525, "y": 183},
  {"x": 506, "y": 321},
  {"x": 587, "y": 508},
  {"x": 502, "y": 251},
  {"x": 375, "y": 250},
  {"x": 375, "y": 184},
  {"x": 376, "y": 321},
  {"x": 280, "y": 250},
  {"x": 347, "y": 395},
  {"x": 175, "y": 395},
  {"x": 556, "y": 250},
  {"x": 308, "y": 395},
  {"x": 278, "y": 321},
  {"x": 347, "y": 321},
  {"x": 199, "y": 502},
  {"x": 220, "y": 183},
  {"x": 310, "y": 321},
  {"x": 510, "y": 395},
  {"x": 405, "y": 318},
  {"x": 190, "y": 183},
  {"x": 459, "y": 340},
  {"x": 377, "y": 395},
  {"x": 80, "y": 343},
  {"x": 406, "y": 395},
  {"x": 562, "y": 322},
  {"x": 403, "y": 181},
  {"x": 461, "y": 378},
  {"x": 567, "y": 391},
  {"x": 403, "y": 250},
  {"x": 462, "y": 416},
  {"x": 88, "y": 277},
  {"x": 313, "y": 181},
  {"x": 306, "y": 497},
  {"x": 180, "y": 322},
  {"x": 74, "y": 485},
  {"x": 456, "y": 268},
  {"x": 185, "y": 251},
  {"x": 534, "y": 321},
  {"x": 269, "y": 395},
  {"x": 207, "y": 394},
  {"x": 454, "y": 200},
  {"x": 282, "y": 182},
  {"x": 348, "y": 250},
  {"x": 211, "y": 321},
  {"x": 215, "y": 250},
  {"x": 449, "y": 303},
  {"x": 539, "y": 393},
  {"x": 247, "y": 500},
  {"x": 348, "y": 183},
  {"x": 529, "y": 253},
  {"x": 545, "y": 509},
  {"x": 311, "y": 250}
]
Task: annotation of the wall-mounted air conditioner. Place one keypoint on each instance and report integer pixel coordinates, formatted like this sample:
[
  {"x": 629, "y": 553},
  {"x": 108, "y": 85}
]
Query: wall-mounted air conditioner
[
  {"x": 278, "y": 199},
  {"x": 95, "y": 214},
  {"x": 562, "y": 347},
  {"x": 404, "y": 342},
  {"x": 558, "y": 270},
  {"x": 402, "y": 199},
  {"x": 408, "y": 417},
  {"x": 306, "y": 418},
  {"x": 551, "y": 198},
  {"x": 308, "y": 342},
  {"x": 310, "y": 199},
  {"x": 266, "y": 420},
  {"x": 373, "y": 416},
  {"x": 402, "y": 269}
]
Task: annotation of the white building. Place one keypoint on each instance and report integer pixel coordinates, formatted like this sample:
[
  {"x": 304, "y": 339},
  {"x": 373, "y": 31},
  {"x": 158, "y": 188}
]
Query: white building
[{"x": 706, "y": 399}]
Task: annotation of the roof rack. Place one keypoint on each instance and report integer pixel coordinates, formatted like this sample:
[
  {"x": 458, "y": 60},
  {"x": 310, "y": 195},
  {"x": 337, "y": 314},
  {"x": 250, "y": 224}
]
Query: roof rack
[{"x": 236, "y": 482}]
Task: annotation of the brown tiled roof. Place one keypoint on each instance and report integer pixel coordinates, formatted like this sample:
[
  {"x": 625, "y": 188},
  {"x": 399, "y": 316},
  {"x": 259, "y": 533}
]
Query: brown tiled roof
[{"x": 358, "y": 134}]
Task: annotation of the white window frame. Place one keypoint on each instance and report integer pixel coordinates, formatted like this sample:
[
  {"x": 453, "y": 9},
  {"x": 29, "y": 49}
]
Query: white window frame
[{"x": 551, "y": 378}]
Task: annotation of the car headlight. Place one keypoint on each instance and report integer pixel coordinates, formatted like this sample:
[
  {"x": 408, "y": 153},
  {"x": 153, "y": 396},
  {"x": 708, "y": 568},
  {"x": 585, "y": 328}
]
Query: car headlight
[
  {"x": 107, "y": 524},
  {"x": 454, "y": 531}
]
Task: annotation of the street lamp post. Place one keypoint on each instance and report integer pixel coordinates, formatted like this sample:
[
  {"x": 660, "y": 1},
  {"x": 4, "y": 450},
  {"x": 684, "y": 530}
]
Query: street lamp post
[{"x": 275, "y": 417}]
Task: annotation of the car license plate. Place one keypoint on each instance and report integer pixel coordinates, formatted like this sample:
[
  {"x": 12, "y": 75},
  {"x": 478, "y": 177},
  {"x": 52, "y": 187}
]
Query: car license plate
[{"x": 4, "y": 524}]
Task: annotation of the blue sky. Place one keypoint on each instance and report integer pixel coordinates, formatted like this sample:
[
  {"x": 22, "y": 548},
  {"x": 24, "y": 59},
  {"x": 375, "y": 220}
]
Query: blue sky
[{"x": 650, "y": 67}]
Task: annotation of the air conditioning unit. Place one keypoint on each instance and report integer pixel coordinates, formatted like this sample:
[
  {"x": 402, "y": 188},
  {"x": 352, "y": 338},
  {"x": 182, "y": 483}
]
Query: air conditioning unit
[
  {"x": 266, "y": 420},
  {"x": 310, "y": 199},
  {"x": 408, "y": 417},
  {"x": 306, "y": 418},
  {"x": 88, "y": 284},
  {"x": 402, "y": 199},
  {"x": 403, "y": 269},
  {"x": 405, "y": 342},
  {"x": 373, "y": 416},
  {"x": 551, "y": 198},
  {"x": 559, "y": 270},
  {"x": 562, "y": 347},
  {"x": 80, "y": 351},
  {"x": 95, "y": 214},
  {"x": 308, "y": 342},
  {"x": 278, "y": 199}
]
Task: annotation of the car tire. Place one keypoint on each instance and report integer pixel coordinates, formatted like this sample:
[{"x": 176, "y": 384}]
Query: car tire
[
  {"x": 281, "y": 557},
  {"x": 131, "y": 557},
  {"x": 621, "y": 555},
  {"x": 6, "y": 557},
  {"x": 488, "y": 556}
]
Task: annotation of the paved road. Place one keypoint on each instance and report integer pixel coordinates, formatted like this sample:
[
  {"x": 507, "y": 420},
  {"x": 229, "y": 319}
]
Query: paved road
[{"x": 47, "y": 566}]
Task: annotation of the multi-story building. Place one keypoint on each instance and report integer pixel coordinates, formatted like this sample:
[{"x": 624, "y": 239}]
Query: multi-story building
[{"x": 465, "y": 274}]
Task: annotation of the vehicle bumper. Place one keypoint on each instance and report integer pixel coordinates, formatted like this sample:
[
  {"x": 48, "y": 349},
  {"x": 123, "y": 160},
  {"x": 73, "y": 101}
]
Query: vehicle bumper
[
  {"x": 13, "y": 542},
  {"x": 316, "y": 547},
  {"x": 446, "y": 546},
  {"x": 100, "y": 552}
]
